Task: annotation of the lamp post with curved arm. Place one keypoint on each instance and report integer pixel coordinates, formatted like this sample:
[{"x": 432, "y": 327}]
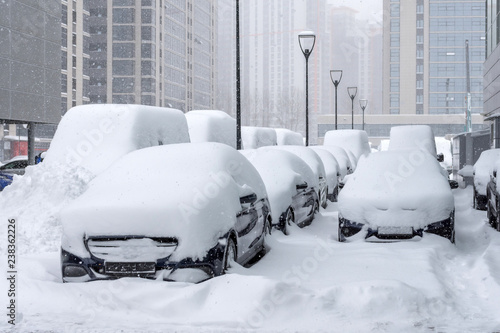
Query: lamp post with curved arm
[
  {"x": 352, "y": 91},
  {"x": 336, "y": 76},
  {"x": 363, "y": 103},
  {"x": 307, "y": 40}
]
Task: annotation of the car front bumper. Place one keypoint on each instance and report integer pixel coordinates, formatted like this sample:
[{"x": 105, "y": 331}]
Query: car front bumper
[
  {"x": 351, "y": 230},
  {"x": 76, "y": 269}
]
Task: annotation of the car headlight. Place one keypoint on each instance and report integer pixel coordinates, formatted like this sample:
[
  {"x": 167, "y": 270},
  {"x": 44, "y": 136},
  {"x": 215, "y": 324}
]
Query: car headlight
[{"x": 349, "y": 228}]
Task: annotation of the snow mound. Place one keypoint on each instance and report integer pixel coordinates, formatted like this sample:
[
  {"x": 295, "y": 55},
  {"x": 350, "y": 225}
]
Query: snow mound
[
  {"x": 187, "y": 191},
  {"x": 43, "y": 191},
  {"x": 287, "y": 137},
  {"x": 256, "y": 137},
  {"x": 211, "y": 126}
]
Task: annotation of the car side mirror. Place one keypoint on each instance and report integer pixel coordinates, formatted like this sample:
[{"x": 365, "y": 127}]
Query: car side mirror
[
  {"x": 453, "y": 184},
  {"x": 248, "y": 199},
  {"x": 302, "y": 186},
  {"x": 440, "y": 157}
]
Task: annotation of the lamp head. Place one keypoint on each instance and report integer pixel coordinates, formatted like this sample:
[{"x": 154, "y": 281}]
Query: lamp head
[
  {"x": 307, "y": 39},
  {"x": 336, "y": 76},
  {"x": 363, "y": 103},
  {"x": 352, "y": 91}
]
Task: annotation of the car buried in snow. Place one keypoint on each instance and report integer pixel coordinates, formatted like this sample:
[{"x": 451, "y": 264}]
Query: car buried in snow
[
  {"x": 290, "y": 185},
  {"x": 180, "y": 212},
  {"x": 316, "y": 164},
  {"x": 481, "y": 174},
  {"x": 396, "y": 195}
]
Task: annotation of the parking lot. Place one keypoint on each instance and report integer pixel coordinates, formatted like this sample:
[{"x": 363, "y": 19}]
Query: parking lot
[{"x": 307, "y": 282}]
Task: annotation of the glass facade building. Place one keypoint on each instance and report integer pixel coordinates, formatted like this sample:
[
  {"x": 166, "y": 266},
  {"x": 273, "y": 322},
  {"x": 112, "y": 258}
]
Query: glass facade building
[
  {"x": 425, "y": 68},
  {"x": 153, "y": 52}
]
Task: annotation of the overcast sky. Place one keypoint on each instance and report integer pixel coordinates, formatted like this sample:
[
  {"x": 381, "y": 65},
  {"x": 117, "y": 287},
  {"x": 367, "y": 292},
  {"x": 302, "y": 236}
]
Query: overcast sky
[{"x": 368, "y": 9}]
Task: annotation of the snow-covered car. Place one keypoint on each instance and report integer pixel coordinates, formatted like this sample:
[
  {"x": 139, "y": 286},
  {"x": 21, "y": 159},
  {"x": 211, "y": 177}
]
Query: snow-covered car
[
  {"x": 396, "y": 195},
  {"x": 332, "y": 170},
  {"x": 256, "y": 137},
  {"x": 15, "y": 166},
  {"x": 316, "y": 164},
  {"x": 286, "y": 137},
  {"x": 290, "y": 185},
  {"x": 179, "y": 212},
  {"x": 354, "y": 141},
  {"x": 493, "y": 197},
  {"x": 420, "y": 137},
  {"x": 342, "y": 158},
  {"x": 211, "y": 126},
  {"x": 93, "y": 136},
  {"x": 481, "y": 174}
]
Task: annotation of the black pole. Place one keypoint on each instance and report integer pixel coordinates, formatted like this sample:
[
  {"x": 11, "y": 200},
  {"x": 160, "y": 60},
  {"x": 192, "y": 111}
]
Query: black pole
[
  {"x": 363, "y": 119},
  {"x": 352, "y": 112},
  {"x": 238, "y": 90},
  {"x": 307, "y": 100},
  {"x": 31, "y": 143},
  {"x": 336, "y": 106}
]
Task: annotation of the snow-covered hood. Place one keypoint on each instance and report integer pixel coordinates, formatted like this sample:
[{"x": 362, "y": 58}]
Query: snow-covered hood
[
  {"x": 309, "y": 156},
  {"x": 187, "y": 191},
  {"x": 397, "y": 188}
]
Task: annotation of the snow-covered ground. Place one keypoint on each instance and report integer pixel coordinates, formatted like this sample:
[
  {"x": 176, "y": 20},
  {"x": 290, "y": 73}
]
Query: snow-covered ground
[{"x": 307, "y": 282}]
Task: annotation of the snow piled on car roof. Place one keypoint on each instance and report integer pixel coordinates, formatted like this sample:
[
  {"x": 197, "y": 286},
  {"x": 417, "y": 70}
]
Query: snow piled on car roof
[
  {"x": 94, "y": 136},
  {"x": 331, "y": 167},
  {"x": 397, "y": 188},
  {"x": 187, "y": 191},
  {"x": 211, "y": 126},
  {"x": 413, "y": 137},
  {"x": 355, "y": 141},
  {"x": 256, "y": 137},
  {"x": 281, "y": 172},
  {"x": 287, "y": 137}
]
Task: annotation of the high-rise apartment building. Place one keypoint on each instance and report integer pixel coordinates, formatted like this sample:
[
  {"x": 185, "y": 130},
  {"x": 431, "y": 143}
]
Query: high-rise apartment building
[
  {"x": 153, "y": 52},
  {"x": 273, "y": 66},
  {"x": 425, "y": 69},
  {"x": 75, "y": 53}
]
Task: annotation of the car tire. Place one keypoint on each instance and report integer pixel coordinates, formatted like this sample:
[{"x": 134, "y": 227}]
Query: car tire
[
  {"x": 230, "y": 255},
  {"x": 289, "y": 219}
]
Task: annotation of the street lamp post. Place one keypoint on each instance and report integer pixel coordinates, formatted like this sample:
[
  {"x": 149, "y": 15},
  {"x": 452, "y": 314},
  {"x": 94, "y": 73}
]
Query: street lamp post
[
  {"x": 336, "y": 76},
  {"x": 307, "y": 40},
  {"x": 352, "y": 91},
  {"x": 363, "y": 103}
]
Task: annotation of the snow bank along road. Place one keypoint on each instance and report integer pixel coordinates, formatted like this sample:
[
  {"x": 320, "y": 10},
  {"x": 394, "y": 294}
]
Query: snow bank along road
[{"x": 308, "y": 282}]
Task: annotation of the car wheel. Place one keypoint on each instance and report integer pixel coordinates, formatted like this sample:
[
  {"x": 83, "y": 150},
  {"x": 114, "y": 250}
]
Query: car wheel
[
  {"x": 474, "y": 199},
  {"x": 230, "y": 254},
  {"x": 289, "y": 219}
]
